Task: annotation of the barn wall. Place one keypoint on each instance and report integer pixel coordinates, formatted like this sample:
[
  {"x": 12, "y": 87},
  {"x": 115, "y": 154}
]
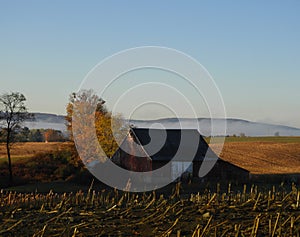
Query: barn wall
[
  {"x": 170, "y": 173},
  {"x": 223, "y": 171},
  {"x": 159, "y": 164},
  {"x": 131, "y": 162}
]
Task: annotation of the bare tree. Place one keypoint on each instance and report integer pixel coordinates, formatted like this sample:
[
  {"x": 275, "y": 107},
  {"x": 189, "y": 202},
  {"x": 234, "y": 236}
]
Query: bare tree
[{"x": 13, "y": 112}]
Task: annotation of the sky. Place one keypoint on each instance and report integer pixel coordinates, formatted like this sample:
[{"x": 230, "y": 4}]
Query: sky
[{"x": 250, "y": 48}]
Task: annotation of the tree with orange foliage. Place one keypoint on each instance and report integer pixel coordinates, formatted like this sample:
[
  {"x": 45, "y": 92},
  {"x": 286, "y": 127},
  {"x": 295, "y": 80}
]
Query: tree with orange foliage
[
  {"x": 91, "y": 125},
  {"x": 52, "y": 135}
]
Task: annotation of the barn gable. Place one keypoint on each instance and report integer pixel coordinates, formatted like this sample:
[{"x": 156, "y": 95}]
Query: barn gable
[{"x": 136, "y": 159}]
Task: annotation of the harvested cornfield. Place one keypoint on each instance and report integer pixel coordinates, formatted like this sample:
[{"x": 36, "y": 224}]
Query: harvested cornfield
[
  {"x": 113, "y": 213},
  {"x": 263, "y": 156}
]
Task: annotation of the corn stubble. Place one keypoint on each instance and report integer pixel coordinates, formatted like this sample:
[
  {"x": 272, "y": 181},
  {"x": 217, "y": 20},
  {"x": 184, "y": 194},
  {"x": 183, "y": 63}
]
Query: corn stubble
[{"x": 114, "y": 213}]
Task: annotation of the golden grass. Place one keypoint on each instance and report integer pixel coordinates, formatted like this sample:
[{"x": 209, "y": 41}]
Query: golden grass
[{"x": 24, "y": 150}]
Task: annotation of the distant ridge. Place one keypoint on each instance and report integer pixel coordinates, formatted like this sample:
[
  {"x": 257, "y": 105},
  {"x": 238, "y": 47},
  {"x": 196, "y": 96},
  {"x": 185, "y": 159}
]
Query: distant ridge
[
  {"x": 51, "y": 118},
  {"x": 234, "y": 125}
]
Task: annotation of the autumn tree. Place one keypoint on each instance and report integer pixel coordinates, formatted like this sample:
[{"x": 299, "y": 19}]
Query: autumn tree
[
  {"x": 52, "y": 135},
  {"x": 87, "y": 112},
  {"x": 13, "y": 113}
]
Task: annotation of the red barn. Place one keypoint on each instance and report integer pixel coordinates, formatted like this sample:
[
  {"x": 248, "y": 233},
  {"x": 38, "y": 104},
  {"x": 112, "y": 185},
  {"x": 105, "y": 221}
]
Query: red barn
[{"x": 146, "y": 149}]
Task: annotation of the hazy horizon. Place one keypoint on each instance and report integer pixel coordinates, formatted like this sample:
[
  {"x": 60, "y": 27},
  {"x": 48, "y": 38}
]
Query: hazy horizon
[{"x": 189, "y": 118}]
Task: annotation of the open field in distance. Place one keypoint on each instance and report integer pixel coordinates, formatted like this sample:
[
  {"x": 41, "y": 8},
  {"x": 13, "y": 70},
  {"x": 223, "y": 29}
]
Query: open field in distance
[
  {"x": 263, "y": 155},
  {"x": 23, "y": 150}
]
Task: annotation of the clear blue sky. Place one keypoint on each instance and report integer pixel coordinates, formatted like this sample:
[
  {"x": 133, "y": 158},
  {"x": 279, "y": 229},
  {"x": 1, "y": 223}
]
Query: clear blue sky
[{"x": 251, "y": 48}]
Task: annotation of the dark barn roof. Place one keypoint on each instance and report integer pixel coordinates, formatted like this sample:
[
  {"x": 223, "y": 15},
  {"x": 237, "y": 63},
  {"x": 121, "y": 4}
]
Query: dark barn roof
[{"x": 171, "y": 142}]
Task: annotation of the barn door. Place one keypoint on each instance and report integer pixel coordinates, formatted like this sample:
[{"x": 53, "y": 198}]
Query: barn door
[{"x": 179, "y": 167}]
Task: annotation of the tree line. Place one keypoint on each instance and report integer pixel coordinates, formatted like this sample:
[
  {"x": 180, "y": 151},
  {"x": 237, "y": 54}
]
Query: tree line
[
  {"x": 24, "y": 134},
  {"x": 85, "y": 108}
]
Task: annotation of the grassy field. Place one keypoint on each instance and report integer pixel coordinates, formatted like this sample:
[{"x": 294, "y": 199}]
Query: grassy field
[
  {"x": 264, "y": 139},
  {"x": 36, "y": 162},
  {"x": 24, "y": 150},
  {"x": 259, "y": 139}
]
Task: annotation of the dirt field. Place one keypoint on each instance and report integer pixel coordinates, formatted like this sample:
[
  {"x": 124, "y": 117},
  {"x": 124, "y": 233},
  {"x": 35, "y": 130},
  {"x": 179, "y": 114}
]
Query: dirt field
[
  {"x": 270, "y": 155},
  {"x": 264, "y": 157}
]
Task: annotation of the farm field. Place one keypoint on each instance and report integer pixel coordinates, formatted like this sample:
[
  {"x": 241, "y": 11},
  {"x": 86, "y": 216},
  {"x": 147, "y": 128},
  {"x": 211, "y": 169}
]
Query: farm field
[
  {"x": 274, "y": 212},
  {"x": 263, "y": 155},
  {"x": 264, "y": 139},
  {"x": 61, "y": 209},
  {"x": 34, "y": 162},
  {"x": 23, "y": 150}
]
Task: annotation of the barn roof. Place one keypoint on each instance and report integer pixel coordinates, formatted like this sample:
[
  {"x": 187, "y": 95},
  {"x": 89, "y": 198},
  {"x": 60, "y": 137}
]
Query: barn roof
[{"x": 173, "y": 144}]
